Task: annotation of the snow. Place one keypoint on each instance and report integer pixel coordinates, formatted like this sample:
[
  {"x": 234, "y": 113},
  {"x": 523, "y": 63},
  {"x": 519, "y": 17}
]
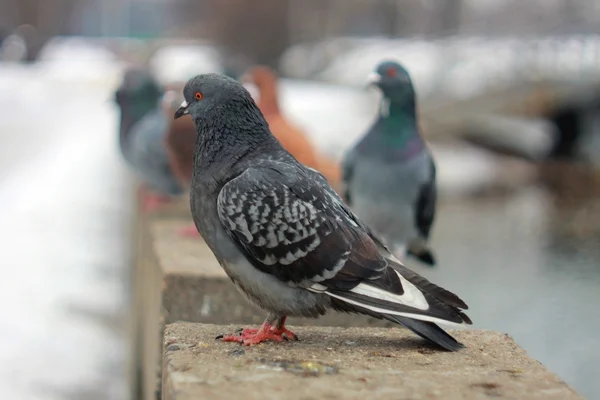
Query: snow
[
  {"x": 179, "y": 63},
  {"x": 73, "y": 63},
  {"x": 63, "y": 206}
]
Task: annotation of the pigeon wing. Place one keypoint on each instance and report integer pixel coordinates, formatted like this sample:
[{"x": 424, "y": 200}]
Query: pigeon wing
[{"x": 282, "y": 231}]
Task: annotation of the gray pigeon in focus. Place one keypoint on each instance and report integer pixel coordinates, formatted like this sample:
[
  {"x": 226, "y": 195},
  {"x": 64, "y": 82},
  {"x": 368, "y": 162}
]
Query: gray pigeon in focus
[
  {"x": 388, "y": 177},
  {"x": 283, "y": 235},
  {"x": 143, "y": 128}
]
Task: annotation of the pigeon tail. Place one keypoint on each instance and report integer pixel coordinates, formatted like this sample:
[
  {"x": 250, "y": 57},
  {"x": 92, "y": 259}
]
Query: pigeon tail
[{"x": 426, "y": 330}]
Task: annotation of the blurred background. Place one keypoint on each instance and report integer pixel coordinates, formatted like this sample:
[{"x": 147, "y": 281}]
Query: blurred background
[{"x": 509, "y": 99}]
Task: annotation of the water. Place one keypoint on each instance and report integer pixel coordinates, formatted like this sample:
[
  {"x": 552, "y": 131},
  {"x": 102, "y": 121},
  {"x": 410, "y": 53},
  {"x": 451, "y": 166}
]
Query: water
[{"x": 528, "y": 265}]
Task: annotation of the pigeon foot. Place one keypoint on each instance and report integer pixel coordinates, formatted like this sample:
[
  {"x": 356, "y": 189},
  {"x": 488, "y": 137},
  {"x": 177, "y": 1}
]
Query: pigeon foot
[
  {"x": 189, "y": 231},
  {"x": 267, "y": 332}
]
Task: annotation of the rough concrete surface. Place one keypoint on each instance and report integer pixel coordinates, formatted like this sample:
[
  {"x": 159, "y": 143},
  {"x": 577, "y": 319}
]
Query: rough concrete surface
[{"x": 351, "y": 363}]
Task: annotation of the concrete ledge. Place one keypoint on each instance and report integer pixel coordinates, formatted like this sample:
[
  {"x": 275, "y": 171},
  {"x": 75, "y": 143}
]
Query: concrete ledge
[{"x": 351, "y": 363}]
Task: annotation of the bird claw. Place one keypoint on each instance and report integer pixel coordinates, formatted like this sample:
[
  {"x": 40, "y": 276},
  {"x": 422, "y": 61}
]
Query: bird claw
[
  {"x": 286, "y": 334},
  {"x": 251, "y": 336}
]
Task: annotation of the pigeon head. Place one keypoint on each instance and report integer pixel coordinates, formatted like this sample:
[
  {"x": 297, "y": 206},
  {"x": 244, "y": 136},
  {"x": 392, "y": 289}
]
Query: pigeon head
[
  {"x": 212, "y": 95},
  {"x": 225, "y": 115},
  {"x": 138, "y": 93},
  {"x": 394, "y": 81}
]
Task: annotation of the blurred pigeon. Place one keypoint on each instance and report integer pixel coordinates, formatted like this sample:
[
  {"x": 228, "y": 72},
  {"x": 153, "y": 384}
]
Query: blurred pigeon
[
  {"x": 389, "y": 175},
  {"x": 180, "y": 143},
  {"x": 284, "y": 236},
  {"x": 142, "y": 137},
  {"x": 292, "y": 138}
]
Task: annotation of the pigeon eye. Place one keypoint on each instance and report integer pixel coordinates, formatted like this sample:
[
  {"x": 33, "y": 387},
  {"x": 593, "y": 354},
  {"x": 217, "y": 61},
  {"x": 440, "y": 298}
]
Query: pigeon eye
[
  {"x": 391, "y": 72},
  {"x": 198, "y": 96}
]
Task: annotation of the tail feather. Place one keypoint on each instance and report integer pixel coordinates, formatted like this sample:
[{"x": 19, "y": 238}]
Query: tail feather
[
  {"x": 426, "y": 330},
  {"x": 425, "y": 285}
]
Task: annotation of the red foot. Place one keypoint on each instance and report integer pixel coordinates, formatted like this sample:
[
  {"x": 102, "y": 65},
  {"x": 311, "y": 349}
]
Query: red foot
[
  {"x": 250, "y": 336},
  {"x": 189, "y": 231},
  {"x": 285, "y": 332}
]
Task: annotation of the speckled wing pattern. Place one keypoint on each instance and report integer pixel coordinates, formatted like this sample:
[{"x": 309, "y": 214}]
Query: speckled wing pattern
[
  {"x": 289, "y": 223},
  {"x": 280, "y": 225}
]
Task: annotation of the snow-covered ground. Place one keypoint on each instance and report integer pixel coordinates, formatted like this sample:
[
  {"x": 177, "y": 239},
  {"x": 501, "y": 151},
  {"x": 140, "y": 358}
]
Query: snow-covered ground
[{"x": 64, "y": 207}]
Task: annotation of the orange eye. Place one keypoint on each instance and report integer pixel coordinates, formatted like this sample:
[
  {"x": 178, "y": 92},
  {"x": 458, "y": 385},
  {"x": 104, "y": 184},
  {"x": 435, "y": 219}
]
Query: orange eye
[
  {"x": 198, "y": 96},
  {"x": 391, "y": 72}
]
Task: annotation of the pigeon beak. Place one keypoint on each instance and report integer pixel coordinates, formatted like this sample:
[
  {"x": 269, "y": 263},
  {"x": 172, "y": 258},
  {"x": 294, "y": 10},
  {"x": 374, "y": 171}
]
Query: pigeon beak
[
  {"x": 182, "y": 110},
  {"x": 373, "y": 79}
]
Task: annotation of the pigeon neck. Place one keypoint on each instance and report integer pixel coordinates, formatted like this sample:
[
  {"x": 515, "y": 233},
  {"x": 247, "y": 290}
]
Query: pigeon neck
[
  {"x": 395, "y": 136},
  {"x": 403, "y": 108},
  {"x": 223, "y": 141},
  {"x": 399, "y": 122}
]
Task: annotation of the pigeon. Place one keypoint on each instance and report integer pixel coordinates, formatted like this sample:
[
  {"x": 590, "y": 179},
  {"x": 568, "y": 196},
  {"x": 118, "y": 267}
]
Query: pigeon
[
  {"x": 143, "y": 128},
  {"x": 264, "y": 81},
  {"x": 285, "y": 237},
  {"x": 388, "y": 177}
]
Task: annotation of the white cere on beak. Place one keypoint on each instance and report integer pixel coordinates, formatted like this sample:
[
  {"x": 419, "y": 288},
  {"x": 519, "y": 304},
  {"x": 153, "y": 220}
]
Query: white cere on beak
[{"x": 184, "y": 104}]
